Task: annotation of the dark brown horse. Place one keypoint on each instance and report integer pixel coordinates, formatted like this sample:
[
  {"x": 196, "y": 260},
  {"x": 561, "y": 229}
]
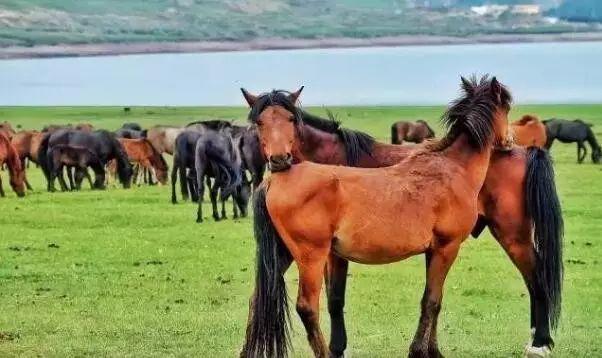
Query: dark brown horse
[
  {"x": 10, "y": 157},
  {"x": 518, "y": 202},
  {"x": 411, "y": 132}
]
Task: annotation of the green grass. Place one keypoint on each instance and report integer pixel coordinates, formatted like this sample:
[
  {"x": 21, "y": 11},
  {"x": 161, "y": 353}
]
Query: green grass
[
  {"x": 125, "y": 273},
  {"x": 51, "y": 22}
]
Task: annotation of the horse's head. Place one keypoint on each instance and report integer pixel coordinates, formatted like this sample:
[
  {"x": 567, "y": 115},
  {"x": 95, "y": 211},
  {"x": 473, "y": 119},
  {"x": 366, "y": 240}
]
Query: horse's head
[
  {"x": 485, "y": 107},
  {"x": 277, "y": 118}
]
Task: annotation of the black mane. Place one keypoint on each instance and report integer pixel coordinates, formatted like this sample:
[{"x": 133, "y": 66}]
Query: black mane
[
  {"x": 473, "y": 113},
  {"x": 356, "y": 143}
]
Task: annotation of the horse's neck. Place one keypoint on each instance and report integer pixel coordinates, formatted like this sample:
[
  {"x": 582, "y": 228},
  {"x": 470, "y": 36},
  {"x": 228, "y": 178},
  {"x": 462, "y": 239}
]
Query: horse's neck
[
  {"x": 320, "y": 146},
  {"x": 475, "y": 162},
  {"x": 591, "y": 139}
]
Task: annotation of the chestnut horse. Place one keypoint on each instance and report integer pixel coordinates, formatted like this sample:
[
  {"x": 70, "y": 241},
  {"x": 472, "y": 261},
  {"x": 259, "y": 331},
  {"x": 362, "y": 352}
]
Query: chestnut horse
[
  {"x": 10, "y": 157},
  {"x": 411, "y": 132},
  {"x": 518, "y": 202},
  {"x": 7, "y": 129},
  {"x": 529, "y": 131},
  {"x": 27, "y": 144},
  {"x": 306, "y": 212},
  {"x": 142, "y": 152}
]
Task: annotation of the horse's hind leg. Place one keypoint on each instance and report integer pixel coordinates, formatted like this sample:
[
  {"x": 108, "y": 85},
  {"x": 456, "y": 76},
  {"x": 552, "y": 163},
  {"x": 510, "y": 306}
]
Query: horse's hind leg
[
  {"x": 308, "y": 300},
  {"x": 336, "y": 281},
  {"x": 60, "y": 176},
  {"x": 213, "y": 196},
  {"x": 438, "y": 263}
]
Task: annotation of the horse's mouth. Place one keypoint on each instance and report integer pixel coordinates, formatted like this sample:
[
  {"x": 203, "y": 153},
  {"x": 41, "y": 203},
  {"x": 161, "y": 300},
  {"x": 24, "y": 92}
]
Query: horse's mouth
[{"x": 280, "y": 166}]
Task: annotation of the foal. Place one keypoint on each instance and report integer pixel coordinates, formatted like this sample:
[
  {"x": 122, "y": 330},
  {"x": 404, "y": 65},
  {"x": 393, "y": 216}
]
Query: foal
[
  {"x": 305, "y": 212},
  {"x": 142, "y": 152}
]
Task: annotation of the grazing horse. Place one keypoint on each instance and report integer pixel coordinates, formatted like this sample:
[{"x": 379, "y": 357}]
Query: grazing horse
[
  {"x": 305, "y": 212},
  {"x": 163, "y": 138},
  {"x": 529, "y": 131},
  {"x": 217, "y": 155},
  {"x": 27, "y": 144},
  {"x": 573, "y": 131},
  {"x": 142, "y": 152},
  {"x": 102, "y": 143},
  {"x": 78, "y": 157},
  {"x": 10, "y": 157},
  {"x": 518, "y": 202},
  {"x": 7, "y": 129},
  {"x": 411, "y": 132}
]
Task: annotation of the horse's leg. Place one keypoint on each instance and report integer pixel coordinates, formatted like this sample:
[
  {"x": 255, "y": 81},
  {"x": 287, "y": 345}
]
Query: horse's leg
[
  {"x": 308, "y": 301},
  {"x": 87, "y": 175},
  {"x": 336, "y": 281},
  {"x": 438, "y": 263},
  {"x": 2, "y": 194},
  {"x": 61, "y": 178},
  {"x": 213, "y": 196},
  {"x": 234, "y": 207},
  {"x": 581, "y": 148},
  {"x": 174, "y": 178},
  {"x": 25, "y": 174},
  {"x": 223, "y": 200}
]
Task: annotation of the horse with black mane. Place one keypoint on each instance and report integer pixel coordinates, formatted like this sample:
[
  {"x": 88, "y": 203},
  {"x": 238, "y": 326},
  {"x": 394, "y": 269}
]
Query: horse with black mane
[
  {"x": 217, "y": 156},
  {"x": 184, "y": 166},
  {"x": 573, "y": 131},
  {"x": 518, "y": 202},
  {"x": 77, "y": 157},
  {"x": 102, "y": 143}
]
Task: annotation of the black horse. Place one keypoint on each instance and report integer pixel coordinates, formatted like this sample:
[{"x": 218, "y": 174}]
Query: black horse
[
  {"x": 133, "y": 126},
  {"x": 573, "y": 131},
  {"x": 101, "y": 143},
  {"x": 217, "y": 155},
  {"x": 250, "y": 150},
  {"x": 183, "y": 164},
  {"x": 79, "y": 158},
  {"x": 130, "y": 133}
]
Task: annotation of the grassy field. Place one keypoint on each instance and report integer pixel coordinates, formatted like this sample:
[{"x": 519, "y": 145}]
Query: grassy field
[{"x": 124, "y": 273}]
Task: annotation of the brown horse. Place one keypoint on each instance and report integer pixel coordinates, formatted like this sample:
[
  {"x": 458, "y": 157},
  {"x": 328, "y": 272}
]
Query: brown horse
[
  {"x": 411, "y": 132},
  {"x": 7, "y": 129},
  {"x": 518, "y": 201},
  {"x": 75, "y": 156},
  {"x": 163, "y": 138},
  {"x": 529, "y": 131},
  {"x": 142, "y": 152},
  {"x": 10, "y": 157},
  {"x": 86, "y": 127},
  {"x": 27, "y": 144}
]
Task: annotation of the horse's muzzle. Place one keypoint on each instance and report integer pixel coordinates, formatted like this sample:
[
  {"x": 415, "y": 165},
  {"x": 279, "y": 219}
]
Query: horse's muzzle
[{"x": 279, "y": 163}]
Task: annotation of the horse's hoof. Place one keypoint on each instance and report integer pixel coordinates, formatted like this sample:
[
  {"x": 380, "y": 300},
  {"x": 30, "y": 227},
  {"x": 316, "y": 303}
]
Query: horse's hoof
[
  {"x": 537, "y": 352},
  {"x": 199, "y": 220}
]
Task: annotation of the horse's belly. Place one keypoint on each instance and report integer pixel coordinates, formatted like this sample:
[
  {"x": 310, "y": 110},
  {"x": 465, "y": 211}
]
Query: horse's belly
[{"x": 380, "y": 242}]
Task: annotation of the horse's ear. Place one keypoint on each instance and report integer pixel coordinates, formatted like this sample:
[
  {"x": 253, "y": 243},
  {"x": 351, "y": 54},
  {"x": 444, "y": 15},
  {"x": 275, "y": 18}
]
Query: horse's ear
[
  {"x": 467, "y": 86},
  {"x": 295, "y": 95},
  {"x": 496, "y": 90},
  {"x": 250, "y": 98}
]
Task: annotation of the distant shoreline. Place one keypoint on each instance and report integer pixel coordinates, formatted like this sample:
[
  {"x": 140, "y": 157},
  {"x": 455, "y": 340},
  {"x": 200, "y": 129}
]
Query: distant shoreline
[{"x": 116, "y": 49}]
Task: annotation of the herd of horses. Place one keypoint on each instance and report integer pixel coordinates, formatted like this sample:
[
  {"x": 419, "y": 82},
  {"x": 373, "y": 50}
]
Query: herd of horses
[{"x": 323, "y": 204}]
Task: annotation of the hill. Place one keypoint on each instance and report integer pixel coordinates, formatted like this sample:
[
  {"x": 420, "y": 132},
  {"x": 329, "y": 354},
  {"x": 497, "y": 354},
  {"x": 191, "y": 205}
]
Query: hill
[{"x": 51, "y": 22}]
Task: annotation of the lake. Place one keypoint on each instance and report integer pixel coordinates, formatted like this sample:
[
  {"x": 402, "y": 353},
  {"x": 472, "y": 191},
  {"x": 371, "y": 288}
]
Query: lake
[{"x": 535, "y": 72}]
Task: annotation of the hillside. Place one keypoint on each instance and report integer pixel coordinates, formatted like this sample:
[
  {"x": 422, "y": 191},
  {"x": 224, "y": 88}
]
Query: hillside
[{"x": 51, "y": 22}]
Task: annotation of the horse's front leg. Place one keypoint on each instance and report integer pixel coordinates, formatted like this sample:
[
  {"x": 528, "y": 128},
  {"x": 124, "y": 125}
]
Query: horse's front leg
[
  {"x": 438, "y": 263},
  {"x": 581, "y": 149},
  {"x": 213, "y": 196},
  {"x": 59, "y": 174},
  {"x": 25, "y": 174},
  {"x": 308, "y": 301},
  {"x": 336, "y": 282}
]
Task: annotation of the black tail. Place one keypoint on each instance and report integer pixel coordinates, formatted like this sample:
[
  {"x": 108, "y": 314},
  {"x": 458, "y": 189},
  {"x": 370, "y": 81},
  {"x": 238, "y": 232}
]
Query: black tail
[
  {"x": 544, "y": 208},
  {"x": 267, "y": 334},
  {"x": 394, "y": 135},
  {"x": 43, "y": 159}
]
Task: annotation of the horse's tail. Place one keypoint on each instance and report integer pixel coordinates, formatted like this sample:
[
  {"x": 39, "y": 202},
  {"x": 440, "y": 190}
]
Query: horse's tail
[
  {"x": 180, "y": 152},
  {"x": 43, "y": 159},
  {"x": 268, "y": 330},
  {"x": 227, "y": 174},
  {"x": 544, "y": 208},
  {"x": 124, "y": 168},
  {"x": 394, "y": 134}
]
